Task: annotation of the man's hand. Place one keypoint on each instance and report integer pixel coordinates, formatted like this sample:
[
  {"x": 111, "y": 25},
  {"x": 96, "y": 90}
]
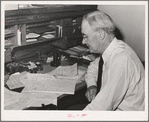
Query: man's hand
[{"x": 91, "y": 93}]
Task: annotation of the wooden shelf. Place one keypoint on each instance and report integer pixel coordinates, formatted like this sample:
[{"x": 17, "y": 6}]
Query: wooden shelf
[{"x": 64, "y": 20}]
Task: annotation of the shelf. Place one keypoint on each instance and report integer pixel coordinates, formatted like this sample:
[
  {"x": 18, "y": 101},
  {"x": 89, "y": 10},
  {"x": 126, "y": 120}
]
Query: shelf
[
  {"x": 41, "y": 39},
  {"x": 40, "y": 29},
  {"x": 61, "y": 22},
  {"x": 43, "y": 14}
]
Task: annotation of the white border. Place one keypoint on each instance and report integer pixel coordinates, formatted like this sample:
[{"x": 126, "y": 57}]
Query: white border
[{"x": 76, "y": 115}]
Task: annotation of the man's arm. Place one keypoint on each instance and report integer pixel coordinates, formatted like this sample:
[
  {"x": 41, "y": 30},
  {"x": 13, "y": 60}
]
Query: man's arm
[{"x": 91, "y": 80}]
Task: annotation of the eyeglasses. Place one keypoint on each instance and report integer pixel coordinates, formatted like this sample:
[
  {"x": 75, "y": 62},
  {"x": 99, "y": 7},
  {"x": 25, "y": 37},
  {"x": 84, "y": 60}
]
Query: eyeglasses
[{"x": 85, "y": 37}]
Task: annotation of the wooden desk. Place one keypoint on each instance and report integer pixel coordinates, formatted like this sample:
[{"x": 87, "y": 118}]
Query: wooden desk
[{"x": 64, "y": 101}]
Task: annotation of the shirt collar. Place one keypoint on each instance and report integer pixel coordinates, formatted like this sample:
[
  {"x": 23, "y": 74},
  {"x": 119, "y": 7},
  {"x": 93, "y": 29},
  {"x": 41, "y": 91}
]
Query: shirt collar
[{"x": 109, "y": 50}]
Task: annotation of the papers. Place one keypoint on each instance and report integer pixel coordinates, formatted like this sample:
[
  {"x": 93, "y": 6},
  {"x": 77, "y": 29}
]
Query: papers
[
  {"x": 42, "y": 88},
  {"x": 77, "y": 72},
  {"x": 48, "y": 84},
  {"x": 10, "y": 96},
  {"x": 46, "y": 101},
  {"x": 19, "y": 101},
  {"x": 16, "y": 101},
  {"x": 48, "y": 36},
  {"x": 32, "y": 35},
  {"x": 43, "y": 98},
  {"x": 62, "y": 80},
  {"x": 14, "y": 81},
  {"x": 65, "y": 71}
]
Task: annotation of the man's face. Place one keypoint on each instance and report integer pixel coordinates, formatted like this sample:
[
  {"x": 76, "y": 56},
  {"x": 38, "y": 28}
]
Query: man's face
[{"x": 90, "y": 37}]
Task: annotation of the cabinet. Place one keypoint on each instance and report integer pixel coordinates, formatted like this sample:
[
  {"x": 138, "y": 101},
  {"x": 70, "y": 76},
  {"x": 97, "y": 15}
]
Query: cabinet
[
  {"x": 10, "y": 40},
  {"x": 59, "y": 25}
]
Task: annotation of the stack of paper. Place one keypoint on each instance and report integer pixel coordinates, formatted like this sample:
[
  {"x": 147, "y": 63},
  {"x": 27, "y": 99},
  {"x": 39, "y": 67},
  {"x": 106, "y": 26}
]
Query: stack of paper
[
  {"x": 65, "y": 71},
  {"x": 49, "y": 35},
  {"x": 32, "y": 37},
  {"x": 14, "y": 81},
  {"x": 16, "y": 101},
  {"x": 35, "y": 83},
  {"x": 19, "y": 101},
  {"x": 46, "y": 83},
  {"x": 41, "y": 88}
]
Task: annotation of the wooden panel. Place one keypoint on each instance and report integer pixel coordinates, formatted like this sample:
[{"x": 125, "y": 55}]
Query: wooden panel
[
  {"x": 45, "y": 14},
  {"x": 50, "y": 9},
  {"x": 68, "y": 100},
  {"x": 22, "y": 52}
]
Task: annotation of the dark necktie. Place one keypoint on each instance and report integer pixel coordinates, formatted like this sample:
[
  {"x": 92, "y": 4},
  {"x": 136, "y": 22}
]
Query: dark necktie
[{"x": 99, "y": 80}]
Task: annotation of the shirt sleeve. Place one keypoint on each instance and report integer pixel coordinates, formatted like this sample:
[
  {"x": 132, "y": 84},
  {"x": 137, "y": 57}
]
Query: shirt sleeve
[
  {"x": 113, "y": 92},
  {"x": 92, "y": 73}
]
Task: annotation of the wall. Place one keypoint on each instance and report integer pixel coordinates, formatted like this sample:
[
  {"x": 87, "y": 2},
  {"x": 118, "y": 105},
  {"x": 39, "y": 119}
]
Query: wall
[
  {"x": 16, "y": 6},
  {"x": 11, "y": 6},
  {"x": 130, "y": 20}
]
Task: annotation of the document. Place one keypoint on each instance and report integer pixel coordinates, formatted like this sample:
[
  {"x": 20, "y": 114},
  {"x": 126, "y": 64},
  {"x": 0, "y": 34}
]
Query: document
[
  {"x": 16, "y": 101},
  {"x": 46, "y": 83},
  {"x": 65, "y": 71},
  {"x": 43, "y": 83},
  {"x": 39, "y": 101},
  {"x": 42, "y": 88},
  {"x": 14, "y": 81},
  {"x": 10, "y": 96},
  {"x": 32, "y": 35},
  {"x": 19, "y": 101},
  {"x": 43, "y": 98},
  {"x": 20, "y": 104}
]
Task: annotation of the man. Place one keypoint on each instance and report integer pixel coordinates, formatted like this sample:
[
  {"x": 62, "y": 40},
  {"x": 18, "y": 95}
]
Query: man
[{"x": 123, "y": 76}]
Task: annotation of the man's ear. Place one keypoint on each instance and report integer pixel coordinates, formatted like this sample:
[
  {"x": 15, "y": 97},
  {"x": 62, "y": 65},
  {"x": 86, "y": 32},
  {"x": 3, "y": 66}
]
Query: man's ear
[{"x": 102, "y": 33}]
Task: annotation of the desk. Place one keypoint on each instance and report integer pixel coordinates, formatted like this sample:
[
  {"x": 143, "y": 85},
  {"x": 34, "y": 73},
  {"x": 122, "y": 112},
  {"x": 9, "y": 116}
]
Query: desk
[{"x": 64, "y": 101}]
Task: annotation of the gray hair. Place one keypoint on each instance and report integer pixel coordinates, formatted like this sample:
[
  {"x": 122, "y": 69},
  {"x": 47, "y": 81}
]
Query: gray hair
[{"x": 99, "y": 20}]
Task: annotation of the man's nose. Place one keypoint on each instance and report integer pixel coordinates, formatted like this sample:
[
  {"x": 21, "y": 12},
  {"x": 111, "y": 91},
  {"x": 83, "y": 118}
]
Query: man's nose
[{"x": 83, "y": 41}]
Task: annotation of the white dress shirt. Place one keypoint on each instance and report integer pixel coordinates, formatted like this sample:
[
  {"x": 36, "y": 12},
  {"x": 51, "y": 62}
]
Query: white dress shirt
[{"x": 123, "y": 79}]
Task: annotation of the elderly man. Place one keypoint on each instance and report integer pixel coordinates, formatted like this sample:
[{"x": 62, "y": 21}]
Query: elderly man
[{"x": 115, "y": 80}]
